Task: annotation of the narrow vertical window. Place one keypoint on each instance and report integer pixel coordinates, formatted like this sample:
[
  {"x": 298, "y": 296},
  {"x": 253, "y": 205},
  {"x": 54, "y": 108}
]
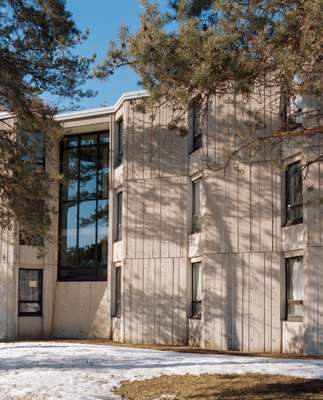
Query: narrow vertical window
[
  {"x": 196, "y": 206},
  {"x": 196, "y": 289},
  {"x": 119, "y": 149},
  {"x": 30, "y": 298},
  {"x": 118, "y": 292},
  {"x": 294, "y": 288},
  {"x": 119, "y": 217},
  {"x": 294, "y": 194},
  {"x": 196, "y": 126}
]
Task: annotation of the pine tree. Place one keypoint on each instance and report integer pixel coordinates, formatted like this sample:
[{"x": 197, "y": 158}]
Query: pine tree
[
  {"x": 37, "y": 39},
  {"x": 200, "y": 48}
]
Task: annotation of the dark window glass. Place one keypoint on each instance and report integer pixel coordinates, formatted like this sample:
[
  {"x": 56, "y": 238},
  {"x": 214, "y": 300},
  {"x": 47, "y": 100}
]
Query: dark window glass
[
  {"x": 196, "y": 206},
  {"x": 103, "y": 171},
  {"x": 196, "y": 126},
  {"x": 84, "y": 207},
  {"x": 196, "y": 289},
  {"x": 70, "y": 167},
  {"x": 295, "y": 287},
  {"x": 70, "y": 141},
  {"x": 35, "y": 148},
  {"x": 119, "y": 147},
  {"x": 118, "y": 292},
  {"x": 294, "y": 194},
  {"x": 30, "y": 292},
  {"x": 88, "y": 160},
  {"x": 119, "y": 216},
  {"x": 38, "y": 220}
]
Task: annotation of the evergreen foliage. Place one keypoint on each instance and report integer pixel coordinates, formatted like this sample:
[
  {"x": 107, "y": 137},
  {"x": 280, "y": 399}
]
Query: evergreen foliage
[{"x": 37, "y": 38}]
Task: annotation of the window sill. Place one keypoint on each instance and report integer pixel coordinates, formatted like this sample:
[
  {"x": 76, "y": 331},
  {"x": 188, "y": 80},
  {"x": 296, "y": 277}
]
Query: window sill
[
  {"x": 30, "y": 315},
  {"x": 196, "y": 317},
  {"x": 194, "y": 150},
  {"x": 292, "y": 223},
  {"x": 118, "y": 165},
  {"x": 294, "y": 319}
]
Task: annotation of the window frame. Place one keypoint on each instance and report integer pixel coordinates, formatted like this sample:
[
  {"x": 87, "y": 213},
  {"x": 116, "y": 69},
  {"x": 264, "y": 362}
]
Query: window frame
[
  {"x": 119, "y": 142},
  {"x": 118, "y": 291},
  {"x": 40, "y": 300},
  {"x": 196, "y": 130},
  {"x": 77, "y": 270},
  {"x": 291, "y": 209},
  {"x": 196, "y": 305},
  {"x": 196, "y": 218},
  {"x": 293, "y": 318},
  {"x": 119, "y": 215}
]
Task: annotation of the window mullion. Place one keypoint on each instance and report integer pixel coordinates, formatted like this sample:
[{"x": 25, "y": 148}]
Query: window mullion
[{"x": 78, "y": 202}]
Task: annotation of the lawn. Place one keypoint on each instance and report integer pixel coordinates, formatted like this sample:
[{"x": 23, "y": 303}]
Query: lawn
[{"x": 226, "y": 387}]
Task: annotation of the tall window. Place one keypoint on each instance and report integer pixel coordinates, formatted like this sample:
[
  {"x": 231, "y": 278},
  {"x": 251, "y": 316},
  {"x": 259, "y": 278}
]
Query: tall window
[
  {"x": 294, "y": 288},
  {"x": 84, "y": 207},
  {"x": 35, "y": 154},
  {"x": 196, "y": 206},
  {"x": 196, "y": 126},
  {"x": 30, "y": 298},
  {"x": 118, "y": 292},
  {"x": 119, "y": 216},
  {"x": 196, "y": 289},
  {"x": 294, "y": 194},
  {"x": 119, "y": 144}
]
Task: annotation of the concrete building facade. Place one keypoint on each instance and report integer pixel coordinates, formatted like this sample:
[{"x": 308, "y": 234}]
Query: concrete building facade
[{"x": 177, "y": 249}]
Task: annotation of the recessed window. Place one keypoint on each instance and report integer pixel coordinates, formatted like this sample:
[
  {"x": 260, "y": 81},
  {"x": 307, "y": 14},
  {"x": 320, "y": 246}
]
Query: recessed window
[
  {"x": 35, "y": 148},
  {"x": 117, "y": 312},
  {"x": 84, "y": 207},
  {"x": 196, "y": 126},
  {"x": 294, "y": 194},
  {"x": 37, "y": 237},
  {"x": 196, "y": 290},
  {"x": 294, "y": 288},
  {"x": 119, "y": 216},
  {"x": 119, "y": 143},
  {"x": 30, "y": 292},
  {"x": 196, "y": 205}
]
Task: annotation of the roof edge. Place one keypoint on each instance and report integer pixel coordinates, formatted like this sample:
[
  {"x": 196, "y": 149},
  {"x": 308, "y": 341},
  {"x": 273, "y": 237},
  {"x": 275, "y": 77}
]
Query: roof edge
[{"x": 91, "y": 112}]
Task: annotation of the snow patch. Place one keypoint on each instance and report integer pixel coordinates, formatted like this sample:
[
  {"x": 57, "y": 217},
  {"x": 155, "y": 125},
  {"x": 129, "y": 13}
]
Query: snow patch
[{"x": 71, "y": 371}]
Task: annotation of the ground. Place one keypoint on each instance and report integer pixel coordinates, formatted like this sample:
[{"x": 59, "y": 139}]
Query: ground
[
  {"x": 73, "y": 371},
  {"x": 223, "y": 387}
]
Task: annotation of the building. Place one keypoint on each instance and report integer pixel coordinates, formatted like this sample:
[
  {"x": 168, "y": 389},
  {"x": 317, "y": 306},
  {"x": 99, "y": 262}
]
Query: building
[{"x": 157, "y": 244}]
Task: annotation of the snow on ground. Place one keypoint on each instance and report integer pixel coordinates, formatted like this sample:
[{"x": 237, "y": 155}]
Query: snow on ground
[{"x": 53, "y": 370}]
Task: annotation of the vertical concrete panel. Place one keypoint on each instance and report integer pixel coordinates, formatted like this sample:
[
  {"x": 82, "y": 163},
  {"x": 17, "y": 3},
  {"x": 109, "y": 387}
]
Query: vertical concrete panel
[
  {"x": 276, "y": 301},
  {"x": 246, "y": 302},
  {"x": 257, "y": 303},
  {"x": 244, "y": 221}
]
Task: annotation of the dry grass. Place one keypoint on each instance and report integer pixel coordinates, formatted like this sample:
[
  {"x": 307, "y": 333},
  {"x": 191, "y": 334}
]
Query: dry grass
[{"x": 218, "y": 387}]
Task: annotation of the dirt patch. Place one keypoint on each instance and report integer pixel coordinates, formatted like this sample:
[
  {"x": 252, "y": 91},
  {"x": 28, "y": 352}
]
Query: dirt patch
[{"x": 222, "y": 387}]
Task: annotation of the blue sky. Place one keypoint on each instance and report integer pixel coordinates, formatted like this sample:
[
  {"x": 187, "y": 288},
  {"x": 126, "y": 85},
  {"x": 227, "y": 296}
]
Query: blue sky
[{"x": 103, "y": 18}]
